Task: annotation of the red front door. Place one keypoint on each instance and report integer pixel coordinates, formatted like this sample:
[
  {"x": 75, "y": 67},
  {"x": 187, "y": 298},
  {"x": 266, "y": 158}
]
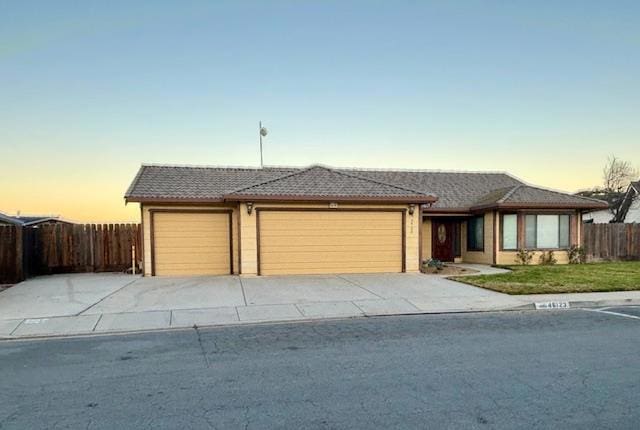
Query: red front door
[{"x": 442, "y": 235}]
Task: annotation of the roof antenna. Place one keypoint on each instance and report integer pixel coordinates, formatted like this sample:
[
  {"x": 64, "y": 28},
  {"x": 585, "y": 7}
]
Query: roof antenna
[{"x": 263, "y": 132}]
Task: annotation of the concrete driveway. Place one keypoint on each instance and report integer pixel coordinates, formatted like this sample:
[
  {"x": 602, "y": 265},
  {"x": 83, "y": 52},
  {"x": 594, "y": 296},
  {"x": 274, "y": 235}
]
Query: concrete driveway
[{"x": 81, "y": 303}]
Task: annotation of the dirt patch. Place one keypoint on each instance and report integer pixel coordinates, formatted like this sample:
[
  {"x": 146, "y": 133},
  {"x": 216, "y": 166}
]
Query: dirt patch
[{"x": 449, "y": 271}]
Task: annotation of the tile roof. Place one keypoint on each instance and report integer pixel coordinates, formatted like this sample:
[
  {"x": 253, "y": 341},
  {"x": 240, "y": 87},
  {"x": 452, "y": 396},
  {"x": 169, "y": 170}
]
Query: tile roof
[
  {"x": 193, "y": 183},
  {"x": 454, "y": 190},
  {"x": 527, "y": 195},
  {"x": 320, "y": 181}
]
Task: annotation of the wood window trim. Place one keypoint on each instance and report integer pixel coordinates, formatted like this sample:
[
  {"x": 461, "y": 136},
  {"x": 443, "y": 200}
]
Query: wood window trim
[
  {"x": 403, "y": 211},
  {"x": 152, "y": 213},
  {"x": 480, "y": 249},
  {"x": 572, "y": 230}
]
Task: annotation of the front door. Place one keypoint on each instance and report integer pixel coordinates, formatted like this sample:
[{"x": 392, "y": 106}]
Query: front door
[{"x": 442, "y": 234}]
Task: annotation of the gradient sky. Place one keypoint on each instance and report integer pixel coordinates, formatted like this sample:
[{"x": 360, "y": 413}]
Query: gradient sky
[{"x": 90, "y": 90}]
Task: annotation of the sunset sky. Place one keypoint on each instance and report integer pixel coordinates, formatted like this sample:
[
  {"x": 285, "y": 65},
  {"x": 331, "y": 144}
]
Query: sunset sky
[{"x": 90, "y": 90}]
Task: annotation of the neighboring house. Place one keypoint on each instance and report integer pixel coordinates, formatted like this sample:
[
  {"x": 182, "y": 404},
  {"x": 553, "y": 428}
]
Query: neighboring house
[
  {"x": 628, "y": 208},
  {"x": 271, "y": 221},
  {"x": 31, "y": 221},
  {"x": 602, "y": 216}
]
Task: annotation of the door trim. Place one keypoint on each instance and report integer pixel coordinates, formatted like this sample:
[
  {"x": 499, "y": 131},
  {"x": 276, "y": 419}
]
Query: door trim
[
  {"x": 152, "y": 212},
  {"x": 275, "y": 209}
]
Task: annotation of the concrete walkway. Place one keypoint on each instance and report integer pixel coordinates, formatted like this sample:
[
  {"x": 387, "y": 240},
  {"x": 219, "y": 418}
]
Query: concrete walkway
[{"x": 62, "y": 305}]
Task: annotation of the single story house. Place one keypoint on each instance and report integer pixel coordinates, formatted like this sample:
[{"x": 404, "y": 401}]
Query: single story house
[{"x": 281, "y": 220}]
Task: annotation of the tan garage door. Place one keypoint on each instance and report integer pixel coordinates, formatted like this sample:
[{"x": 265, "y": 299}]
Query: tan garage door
[
  {"x": 307, "y": 242},
  {"x": 191, "y": 243}
]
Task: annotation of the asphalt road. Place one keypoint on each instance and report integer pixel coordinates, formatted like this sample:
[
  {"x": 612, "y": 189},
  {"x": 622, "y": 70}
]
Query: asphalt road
[{"x": 545, "y": 369}]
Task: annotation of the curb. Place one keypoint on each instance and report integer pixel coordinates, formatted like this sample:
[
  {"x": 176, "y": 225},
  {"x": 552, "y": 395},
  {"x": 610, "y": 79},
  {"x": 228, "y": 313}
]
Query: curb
[{"x": 524, "y": 307}]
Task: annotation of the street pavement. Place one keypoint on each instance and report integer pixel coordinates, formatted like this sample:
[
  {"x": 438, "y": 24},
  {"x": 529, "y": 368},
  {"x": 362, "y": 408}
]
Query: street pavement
[{"x": 509, "y": 370}]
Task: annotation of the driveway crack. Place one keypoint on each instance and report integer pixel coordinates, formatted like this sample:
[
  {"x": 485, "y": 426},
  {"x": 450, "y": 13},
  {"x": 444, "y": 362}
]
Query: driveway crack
[
  {"x": 106, "y": 297},
  {"x": 204, "y": 354},
  {"x": 244, "y": 297},
  {"x": 359, "y": 286}
]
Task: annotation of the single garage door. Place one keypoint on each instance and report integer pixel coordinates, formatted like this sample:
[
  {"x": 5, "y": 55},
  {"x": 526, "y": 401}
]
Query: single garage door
[
  {"x": 307, "y": 242},
  {"x": 191, "y": 243}
]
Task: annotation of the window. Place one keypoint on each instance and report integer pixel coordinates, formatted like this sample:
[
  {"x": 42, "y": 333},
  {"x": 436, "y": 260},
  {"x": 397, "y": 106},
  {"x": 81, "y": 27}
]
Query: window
[
  {"x": 475, "y": 234},
  {"x": 510, "y": 231},
  {"x": 546, "y": 231}
]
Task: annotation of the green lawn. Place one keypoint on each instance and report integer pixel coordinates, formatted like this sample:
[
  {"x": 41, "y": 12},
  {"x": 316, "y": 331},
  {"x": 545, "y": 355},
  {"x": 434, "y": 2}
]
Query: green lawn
[{"x": 570, "y": 278}]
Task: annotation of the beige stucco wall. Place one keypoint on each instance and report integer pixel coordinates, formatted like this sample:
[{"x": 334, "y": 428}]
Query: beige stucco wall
[
  {"x": 426, "y": 239},
  {"x": 246, "y": 257},
  {"x": 509, "y": 257},
  {"x": 146, "y": 223}
]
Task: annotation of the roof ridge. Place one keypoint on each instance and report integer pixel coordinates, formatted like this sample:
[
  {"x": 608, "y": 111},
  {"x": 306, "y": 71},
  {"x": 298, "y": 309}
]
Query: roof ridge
[
  {"x": 268, "y": 181},
  {"x": 332, "y": 170},
  {"x": 509, "y": 193},
  {"x": 375, "y": 181},
  {"x": 212, "y": 167}
]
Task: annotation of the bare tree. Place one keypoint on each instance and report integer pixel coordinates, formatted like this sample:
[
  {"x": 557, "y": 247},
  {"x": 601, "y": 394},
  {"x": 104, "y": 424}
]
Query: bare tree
[{"x": 617, "y": 174}]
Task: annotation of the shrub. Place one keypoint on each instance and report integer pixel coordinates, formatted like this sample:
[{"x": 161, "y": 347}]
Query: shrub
[
  {"x": 548, "y": 258},
  {"x": 524, "y": 257},
  {"x": 577, "y": 255},
  {"x": 433, "y": 264}
]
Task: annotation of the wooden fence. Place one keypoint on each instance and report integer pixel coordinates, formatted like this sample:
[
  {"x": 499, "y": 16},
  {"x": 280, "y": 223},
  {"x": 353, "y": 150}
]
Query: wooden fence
[
  {"x": 10, "y": 266},
  {"x": 67, "y": 248},
  {"x": 611, "y": 241}
]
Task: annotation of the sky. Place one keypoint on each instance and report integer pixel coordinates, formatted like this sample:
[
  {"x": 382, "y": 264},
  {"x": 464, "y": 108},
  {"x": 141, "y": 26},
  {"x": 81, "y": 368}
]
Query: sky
[{"x": 89, "y": 90}]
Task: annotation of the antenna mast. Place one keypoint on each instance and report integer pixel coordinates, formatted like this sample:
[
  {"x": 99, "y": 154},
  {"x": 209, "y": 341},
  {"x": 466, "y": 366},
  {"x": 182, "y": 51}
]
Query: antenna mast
[{"x": 262, "y": 133}]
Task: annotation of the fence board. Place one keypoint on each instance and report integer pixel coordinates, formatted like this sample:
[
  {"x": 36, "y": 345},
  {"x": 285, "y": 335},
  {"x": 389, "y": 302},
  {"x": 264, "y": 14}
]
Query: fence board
[
  {"x": 611, "y": 241},
  {"x": 9, "y": 260}
]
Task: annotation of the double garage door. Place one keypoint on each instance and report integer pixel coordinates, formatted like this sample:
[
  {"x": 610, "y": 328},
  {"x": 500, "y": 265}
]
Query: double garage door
[
  {"x": 288, "y": 242},
  {"x": 307, "y": 242}
]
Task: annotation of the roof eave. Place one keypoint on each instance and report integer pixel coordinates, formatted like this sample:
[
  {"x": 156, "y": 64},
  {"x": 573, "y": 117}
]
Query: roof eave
[
  {"x": 435, "y": 209},
  {"x": 539, "y": 206}
]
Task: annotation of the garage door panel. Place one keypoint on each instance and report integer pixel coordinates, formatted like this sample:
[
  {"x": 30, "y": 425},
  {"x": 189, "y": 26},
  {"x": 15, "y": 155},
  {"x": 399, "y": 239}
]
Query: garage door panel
[
  {"x": 330, "y": 242},
  {"x": 192, "y": 243}
]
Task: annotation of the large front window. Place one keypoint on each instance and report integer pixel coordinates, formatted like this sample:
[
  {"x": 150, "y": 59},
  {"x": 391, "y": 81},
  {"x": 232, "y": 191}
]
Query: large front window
[
  {"x": 547, "y": 231},
  {"x": 475, "y": 234}
]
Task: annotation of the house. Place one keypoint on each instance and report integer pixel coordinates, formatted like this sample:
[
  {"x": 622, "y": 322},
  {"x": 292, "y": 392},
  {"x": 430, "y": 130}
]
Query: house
[
  {"x": 31, "y": 221},
  {"x": 629, "y": 210},
  {"x": 281, "y": 220},
  {"x": 627, "y": 205}
]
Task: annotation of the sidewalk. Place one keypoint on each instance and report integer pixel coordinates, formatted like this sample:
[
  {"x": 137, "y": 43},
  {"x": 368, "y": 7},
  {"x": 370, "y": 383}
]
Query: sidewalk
[{"x": 84, "y": 304}]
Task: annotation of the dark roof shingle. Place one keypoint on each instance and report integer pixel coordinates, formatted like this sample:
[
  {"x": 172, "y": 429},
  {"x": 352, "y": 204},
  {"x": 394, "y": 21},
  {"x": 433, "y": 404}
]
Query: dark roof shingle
[
  {"x": 320, "y": 181},
  {"x": 454, "y": 190}
]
